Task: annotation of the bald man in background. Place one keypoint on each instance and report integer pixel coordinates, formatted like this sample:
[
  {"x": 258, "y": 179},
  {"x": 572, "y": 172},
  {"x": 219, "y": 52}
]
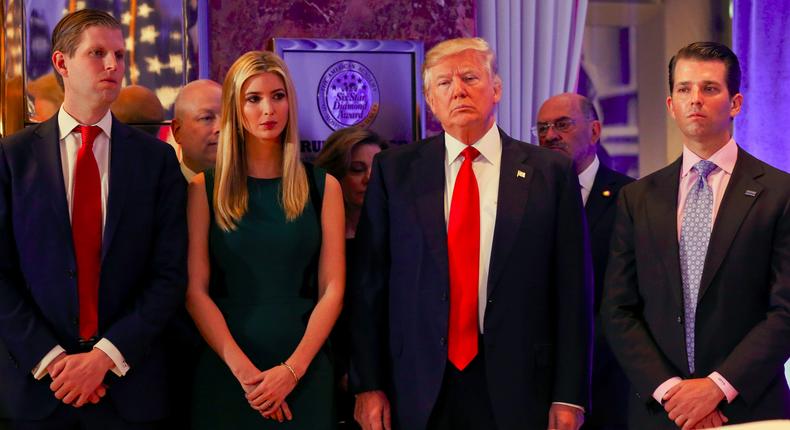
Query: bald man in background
[
  {"x": 195, "y": 128},
  {"x": 139, "y": 107},
  {"x": 568, "y": 124},
  {"x": 196, "y": 125}
]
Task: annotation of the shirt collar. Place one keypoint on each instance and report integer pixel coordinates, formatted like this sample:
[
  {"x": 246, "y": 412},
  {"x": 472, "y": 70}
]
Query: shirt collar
[
  {"x": 490, "y": 146},
  {"x": 724, "y": 158},
  {"x": 587, "y": 176},
  {"x": 187, "y": 172},
  {"x": 67, "y": 123}
]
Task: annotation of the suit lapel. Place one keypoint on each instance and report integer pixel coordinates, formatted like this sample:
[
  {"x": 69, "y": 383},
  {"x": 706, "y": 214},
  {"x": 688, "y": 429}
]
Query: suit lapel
[
  {"x": 515, "y": 176},
  {"x": 662, "y": 203},
  {"x": 428, "y": 184},
  {"x": 47, "y": 156},
  {"x": 733, "y": 209},
  {"x": 120, "y": 174},
  {"x": 599, "y": 200}
]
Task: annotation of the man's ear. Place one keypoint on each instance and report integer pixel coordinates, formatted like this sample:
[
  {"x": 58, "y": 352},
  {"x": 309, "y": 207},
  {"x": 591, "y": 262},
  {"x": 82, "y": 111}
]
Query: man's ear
[
  {"x": 429, "y": 100},
  {"x": 735, "y": 105},
  {"x": 175, "y": 127},
  {"x": 59, "y": 63},
  {"x": 669, "y": 107},
  {"x": 497, "y": 88},
  {"x": 595, "y": 131}
]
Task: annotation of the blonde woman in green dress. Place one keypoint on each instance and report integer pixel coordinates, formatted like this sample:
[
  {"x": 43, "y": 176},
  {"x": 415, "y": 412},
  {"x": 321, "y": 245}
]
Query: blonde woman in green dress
[{"x": 254, "y": 237}]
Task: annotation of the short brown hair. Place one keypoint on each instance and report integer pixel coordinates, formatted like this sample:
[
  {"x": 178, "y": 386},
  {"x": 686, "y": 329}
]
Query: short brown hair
[
  {"x": 710, "y": 51},
  {"x": 335, "y": 156},
  {"x": 68, "y": 32}
]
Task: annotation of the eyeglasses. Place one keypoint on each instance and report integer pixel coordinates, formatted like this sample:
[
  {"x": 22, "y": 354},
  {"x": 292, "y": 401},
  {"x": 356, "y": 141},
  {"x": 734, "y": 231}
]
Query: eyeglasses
[{"x": 561, "y": 126}]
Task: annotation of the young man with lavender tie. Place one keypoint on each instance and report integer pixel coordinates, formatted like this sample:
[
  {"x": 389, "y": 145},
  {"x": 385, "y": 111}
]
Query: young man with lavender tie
[{"x": 697, "y": 293}]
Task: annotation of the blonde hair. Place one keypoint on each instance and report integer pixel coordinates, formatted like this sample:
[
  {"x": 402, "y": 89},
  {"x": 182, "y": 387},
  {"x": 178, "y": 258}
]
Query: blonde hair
[
  {"x": 455, "y": 46},
  {"x": 230, "y": 184}
]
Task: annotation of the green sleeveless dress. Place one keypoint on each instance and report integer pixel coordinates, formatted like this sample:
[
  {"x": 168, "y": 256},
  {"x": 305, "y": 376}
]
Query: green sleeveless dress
[{"x": 258, "y": 278}]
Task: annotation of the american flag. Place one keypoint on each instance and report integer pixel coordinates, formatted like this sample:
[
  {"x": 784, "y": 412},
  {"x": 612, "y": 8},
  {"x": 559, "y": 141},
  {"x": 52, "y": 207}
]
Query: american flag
[{"x": 156, "y": 42}]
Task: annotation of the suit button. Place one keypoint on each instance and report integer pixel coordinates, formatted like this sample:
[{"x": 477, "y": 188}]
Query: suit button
[
  {"x": 75, "y": 320},
  {"x": 71, "y": 273},
  {"x": 444, "y": 296},
  {"x": 680, "y": 320},
  {"x": 442, "y": 341}
]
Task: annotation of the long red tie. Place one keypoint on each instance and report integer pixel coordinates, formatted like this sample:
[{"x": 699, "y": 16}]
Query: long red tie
[
  {"x": 86, "y": 230},
  {"x": 463, "y": 245}
]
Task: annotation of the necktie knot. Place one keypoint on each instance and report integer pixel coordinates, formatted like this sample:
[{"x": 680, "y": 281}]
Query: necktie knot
[
  {"x": 470, "y": 153},
  {"x": 88, "y": 133},
  {"x": 704, "y": 167}
]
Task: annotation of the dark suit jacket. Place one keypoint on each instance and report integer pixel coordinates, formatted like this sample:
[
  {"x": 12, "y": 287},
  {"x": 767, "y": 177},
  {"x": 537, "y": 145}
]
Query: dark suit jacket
[
  {"x": 609, "y": 384},
  {"x": 538, "y": 318},
  {"x": 743, "y": 310},
  {"x": 143, "y": 268}
]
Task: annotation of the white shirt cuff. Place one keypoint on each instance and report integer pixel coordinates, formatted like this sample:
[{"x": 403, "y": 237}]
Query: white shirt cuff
[
  {"x": 569, "y": 404},
  {"x": 121, "y": 367},
  {"x": 40, "y": 370},
  {"x": 729, "y": 391},
  {"x": 663, "y": 388}
]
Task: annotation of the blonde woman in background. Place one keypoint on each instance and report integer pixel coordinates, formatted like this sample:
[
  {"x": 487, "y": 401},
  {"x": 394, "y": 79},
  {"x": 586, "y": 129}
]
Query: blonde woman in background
[{"x": 255, "y": 237}]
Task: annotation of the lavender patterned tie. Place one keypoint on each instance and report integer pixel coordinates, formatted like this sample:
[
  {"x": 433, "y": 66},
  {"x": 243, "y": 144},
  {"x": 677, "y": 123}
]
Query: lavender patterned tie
[{"x": 694, "y": 237}]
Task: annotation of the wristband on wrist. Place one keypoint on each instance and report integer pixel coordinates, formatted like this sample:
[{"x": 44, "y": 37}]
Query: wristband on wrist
[{"x": 291, "y": 369}]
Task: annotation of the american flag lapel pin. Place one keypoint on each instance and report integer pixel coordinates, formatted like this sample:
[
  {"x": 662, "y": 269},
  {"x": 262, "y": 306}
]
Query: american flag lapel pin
[
  {"x": 750, "y": 193},
  {"x": 521, "y": 174}
]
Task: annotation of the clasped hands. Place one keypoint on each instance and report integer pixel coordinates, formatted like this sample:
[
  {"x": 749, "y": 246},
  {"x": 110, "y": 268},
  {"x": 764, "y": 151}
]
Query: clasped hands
[
  {"x": 77, "y": 378},
  {"x": 692, "y": 404},
  {"x": 266, "y": 392}
]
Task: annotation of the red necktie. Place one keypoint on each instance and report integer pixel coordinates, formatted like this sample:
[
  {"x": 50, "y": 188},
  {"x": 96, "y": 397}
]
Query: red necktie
[
  {"x": 463, "y": 245},
  {"x": 86, "y": 230}
]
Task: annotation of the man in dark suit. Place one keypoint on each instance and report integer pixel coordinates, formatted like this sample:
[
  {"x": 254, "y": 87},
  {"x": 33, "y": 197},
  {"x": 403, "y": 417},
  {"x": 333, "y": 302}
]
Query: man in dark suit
[
  {"x": 567, "y": 123},
  {"x": 93, "y": 250},
  {"x": 697, "y": 297},
  {"x": 472, "y": 307}
]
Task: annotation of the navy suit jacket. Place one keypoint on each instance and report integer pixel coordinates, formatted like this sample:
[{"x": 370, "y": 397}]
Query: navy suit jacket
[
  {"x": 743, "y": 310},
  {"x": 539, "y": 312},
  {"x": 143, "y": 267}
]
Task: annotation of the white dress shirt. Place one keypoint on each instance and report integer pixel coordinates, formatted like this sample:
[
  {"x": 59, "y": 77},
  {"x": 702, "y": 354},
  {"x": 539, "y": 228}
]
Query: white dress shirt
[
  {"x": 486, "y": 168},
  {"x": 187, "y": 172},
  {"x": 587, "y": 179},
  {"x": 70, "y": 142}
]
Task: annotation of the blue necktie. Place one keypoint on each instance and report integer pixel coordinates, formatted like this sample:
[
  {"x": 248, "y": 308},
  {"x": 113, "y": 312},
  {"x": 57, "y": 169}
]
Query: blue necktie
[{"x": 694, "y": 237}]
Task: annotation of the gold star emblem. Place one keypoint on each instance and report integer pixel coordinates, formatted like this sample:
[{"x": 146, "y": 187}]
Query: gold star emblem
[
  {"x": 144, "y": 10},
  {"x": 606, "y": 193},
  {"x": 148, "y": 34},
  {"x": 154, "y": 65}
]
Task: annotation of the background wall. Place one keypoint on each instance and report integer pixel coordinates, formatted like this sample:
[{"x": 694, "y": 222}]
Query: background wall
[{"x": 245, "y": 26}]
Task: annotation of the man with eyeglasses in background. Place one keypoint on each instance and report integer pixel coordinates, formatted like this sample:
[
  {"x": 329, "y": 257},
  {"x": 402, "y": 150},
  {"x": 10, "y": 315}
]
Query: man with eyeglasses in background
[{"x": 568, "y": 124}]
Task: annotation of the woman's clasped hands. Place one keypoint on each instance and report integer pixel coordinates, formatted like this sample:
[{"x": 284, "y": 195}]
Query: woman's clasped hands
[{"x": 266, "y": 392}]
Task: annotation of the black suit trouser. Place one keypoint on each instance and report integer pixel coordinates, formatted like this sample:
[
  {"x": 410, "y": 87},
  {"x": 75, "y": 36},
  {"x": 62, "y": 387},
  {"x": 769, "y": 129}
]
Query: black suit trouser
[{"x": 464, "y": 403}]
